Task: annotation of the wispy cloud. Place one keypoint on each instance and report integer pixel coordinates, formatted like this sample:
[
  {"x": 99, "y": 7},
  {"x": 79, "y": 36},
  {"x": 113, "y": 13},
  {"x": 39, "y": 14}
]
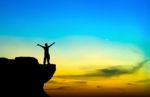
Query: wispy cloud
[
  {"x": 115, "y": 71},
  {"x": 59, "y": 88},
  {"x": 81, "y": 82},
  {"x": 111, "y": 71},
  {"x": 98, "y": 86},
  {"x": 143, "y": 81},
  {"x": 131, "y": 84},
  {"x": 55, "y": 82}
]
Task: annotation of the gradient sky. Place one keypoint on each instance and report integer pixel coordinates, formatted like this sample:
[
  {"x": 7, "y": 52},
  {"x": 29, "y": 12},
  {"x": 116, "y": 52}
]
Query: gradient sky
[
  {"x": 120, "y": 23},
  {"x": 89, "y": 34}
]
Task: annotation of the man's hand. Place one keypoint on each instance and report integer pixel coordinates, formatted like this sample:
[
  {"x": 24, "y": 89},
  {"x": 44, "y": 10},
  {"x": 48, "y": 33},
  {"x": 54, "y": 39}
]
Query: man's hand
[
  {"x": 51, "y": 44},
  {"x": 40, "y": 45}
]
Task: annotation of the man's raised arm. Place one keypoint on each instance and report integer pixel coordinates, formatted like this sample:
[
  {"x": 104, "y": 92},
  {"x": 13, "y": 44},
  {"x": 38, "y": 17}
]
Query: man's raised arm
[
  {"x": 51, "y": 44},
  {"x": 40, "y": 45}
]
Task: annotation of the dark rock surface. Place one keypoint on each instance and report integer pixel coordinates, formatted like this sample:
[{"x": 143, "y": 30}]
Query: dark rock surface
[{"x": 24, "y": 77}]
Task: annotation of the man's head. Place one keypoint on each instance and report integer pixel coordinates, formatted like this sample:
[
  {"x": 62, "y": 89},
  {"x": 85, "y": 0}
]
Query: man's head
[{"x": 46, "y": 44}]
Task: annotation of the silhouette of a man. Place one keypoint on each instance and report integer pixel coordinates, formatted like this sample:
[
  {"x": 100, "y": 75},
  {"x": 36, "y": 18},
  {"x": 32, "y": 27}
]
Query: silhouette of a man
[{"x": 46, "y": 52}]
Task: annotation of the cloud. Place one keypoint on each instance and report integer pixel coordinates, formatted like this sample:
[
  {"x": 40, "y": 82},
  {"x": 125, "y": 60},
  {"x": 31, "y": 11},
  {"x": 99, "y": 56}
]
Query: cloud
[
  {"x": 143, "y": 81},
  {"x": 98, "y": 86},
  {"x": 116, "y": 71},
  {"x": 81, "y": 82},
  {"x": 131, "y": 84},
  {"x": 59, "y": 88},
  {"x": 54, "y": 82},
  {"x": 110, "y": 72}
]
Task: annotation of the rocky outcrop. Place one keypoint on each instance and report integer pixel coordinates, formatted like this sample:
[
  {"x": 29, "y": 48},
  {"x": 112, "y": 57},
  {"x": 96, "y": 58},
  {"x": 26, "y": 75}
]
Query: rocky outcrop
[{"x": 24, "y": 77}]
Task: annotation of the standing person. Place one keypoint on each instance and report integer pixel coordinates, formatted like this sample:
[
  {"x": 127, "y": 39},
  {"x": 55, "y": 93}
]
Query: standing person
[{"x": 46, "y": 52}]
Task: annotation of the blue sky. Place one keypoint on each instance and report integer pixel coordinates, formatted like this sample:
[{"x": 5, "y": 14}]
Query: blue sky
[
  {"x": 92, "y": 37},
  {"x": 125, "y": 21}
]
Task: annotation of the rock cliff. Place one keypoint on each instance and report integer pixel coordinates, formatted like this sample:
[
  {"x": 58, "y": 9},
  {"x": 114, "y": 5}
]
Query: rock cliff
[{"x": 24, "y": 76}]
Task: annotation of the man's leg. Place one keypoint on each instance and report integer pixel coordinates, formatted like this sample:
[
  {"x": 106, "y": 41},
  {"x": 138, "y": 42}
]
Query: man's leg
[
  {"x": 44, "y": 62},
  {"x": 48, "y": 59}
]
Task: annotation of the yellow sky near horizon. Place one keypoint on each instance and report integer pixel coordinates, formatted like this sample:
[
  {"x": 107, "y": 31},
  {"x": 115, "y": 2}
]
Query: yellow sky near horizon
[
  {"x": 84, "y": 55},
  {"x": 136, "y": 83},
  {"x": 76, "y": 54}
]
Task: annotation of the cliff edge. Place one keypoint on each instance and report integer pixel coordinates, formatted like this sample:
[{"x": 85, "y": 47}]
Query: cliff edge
[{"x": 24, "y": 76}]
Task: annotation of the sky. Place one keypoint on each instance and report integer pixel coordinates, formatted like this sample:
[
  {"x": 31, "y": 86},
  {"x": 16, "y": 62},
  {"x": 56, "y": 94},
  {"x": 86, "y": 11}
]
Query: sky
[{"x": 95, "y": 38}]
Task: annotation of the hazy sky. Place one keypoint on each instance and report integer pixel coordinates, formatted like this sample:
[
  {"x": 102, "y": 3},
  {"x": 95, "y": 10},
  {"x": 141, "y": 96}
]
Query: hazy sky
[
  {"x": 87, "y": 32},
  {"x": 94, "y": 38}
]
